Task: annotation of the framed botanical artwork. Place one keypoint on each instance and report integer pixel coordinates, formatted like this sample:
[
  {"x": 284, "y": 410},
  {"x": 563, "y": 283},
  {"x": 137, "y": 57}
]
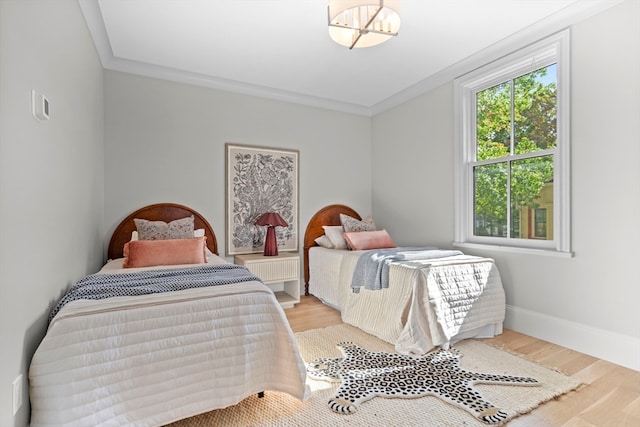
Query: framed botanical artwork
[{"x": 260, "y": 180}]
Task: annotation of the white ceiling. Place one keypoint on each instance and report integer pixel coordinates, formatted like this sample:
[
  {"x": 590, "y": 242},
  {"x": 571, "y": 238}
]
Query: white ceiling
[{"x": 281, "y": 48}]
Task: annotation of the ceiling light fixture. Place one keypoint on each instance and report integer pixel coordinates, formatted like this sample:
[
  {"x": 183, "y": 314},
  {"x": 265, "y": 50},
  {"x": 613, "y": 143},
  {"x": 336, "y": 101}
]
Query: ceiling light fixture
[{"x": 363, "y": 23}]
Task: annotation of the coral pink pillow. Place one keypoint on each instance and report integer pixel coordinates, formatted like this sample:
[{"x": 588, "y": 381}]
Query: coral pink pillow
[
  {"x": 358, "y": 240},
  {"x": 148, "y": 253}
]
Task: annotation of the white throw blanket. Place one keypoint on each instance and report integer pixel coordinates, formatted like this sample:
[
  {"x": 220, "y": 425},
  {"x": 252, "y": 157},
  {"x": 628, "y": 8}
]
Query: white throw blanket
[
  {"x": 453, "y": 291},
  {"x": 416, "y": 316}
]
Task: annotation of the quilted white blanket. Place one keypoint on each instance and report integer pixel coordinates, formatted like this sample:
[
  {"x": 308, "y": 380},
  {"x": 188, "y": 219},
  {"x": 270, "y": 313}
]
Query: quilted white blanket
[
  {"x": 154, "y": 359},
  {"x": 428, "y": 303}
]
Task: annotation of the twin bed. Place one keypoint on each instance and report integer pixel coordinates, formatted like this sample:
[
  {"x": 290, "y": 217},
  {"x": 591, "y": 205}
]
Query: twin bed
[
  {"x": 151, "y": 359},
  {"x": 433, "y": 299}
]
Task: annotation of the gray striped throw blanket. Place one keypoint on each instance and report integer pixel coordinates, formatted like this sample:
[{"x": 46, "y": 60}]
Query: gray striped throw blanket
[{"x": 100, "y": 286}]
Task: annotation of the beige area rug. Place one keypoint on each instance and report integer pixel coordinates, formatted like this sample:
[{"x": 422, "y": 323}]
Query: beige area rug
[{"x": 280, "y": 409}]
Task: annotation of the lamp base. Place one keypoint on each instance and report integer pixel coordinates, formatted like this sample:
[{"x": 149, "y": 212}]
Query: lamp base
[{"x": 270, "y": 242}]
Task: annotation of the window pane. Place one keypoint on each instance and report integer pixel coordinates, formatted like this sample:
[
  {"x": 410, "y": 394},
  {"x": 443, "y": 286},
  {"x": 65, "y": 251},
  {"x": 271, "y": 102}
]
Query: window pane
[
  {"x": 493, "y": 126},
  {"x": 515, "y": 223},
  {"x": 490, "y": 203},
  {"x": 532, "y": 197},
  {"x": 540, "y": 226},
  {"x": 535, "y": 110}
]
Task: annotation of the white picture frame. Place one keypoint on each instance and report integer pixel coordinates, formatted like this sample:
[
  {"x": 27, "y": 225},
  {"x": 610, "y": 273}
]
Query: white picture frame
[{"x": 259, "y": 180}]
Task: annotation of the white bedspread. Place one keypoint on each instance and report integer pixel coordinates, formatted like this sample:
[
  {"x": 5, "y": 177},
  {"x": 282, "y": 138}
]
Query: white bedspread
[
  {"x": 150, "y": 360},
  {"x": 412, "y": 313}
]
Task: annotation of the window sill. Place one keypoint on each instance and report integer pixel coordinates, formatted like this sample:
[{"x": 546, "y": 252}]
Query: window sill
[{"x": 512, "y": 249}]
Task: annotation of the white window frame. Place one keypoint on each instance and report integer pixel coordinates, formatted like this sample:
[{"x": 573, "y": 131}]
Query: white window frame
[{"x": 554, "y": 49}]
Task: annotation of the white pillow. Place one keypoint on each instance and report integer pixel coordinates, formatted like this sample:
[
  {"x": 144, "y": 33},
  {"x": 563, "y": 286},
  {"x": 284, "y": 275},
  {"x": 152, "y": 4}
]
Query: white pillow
[
  {"x": 334, "y": 233},
  {"x": 324, "y": 242}
]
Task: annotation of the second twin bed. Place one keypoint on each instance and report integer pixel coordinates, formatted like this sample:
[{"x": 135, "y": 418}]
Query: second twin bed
[{"x": 427, "y": 298}]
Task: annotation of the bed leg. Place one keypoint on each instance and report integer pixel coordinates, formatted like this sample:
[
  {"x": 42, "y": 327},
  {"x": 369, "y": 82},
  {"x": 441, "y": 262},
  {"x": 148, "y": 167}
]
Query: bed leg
[{"x": 260, "y": 395}]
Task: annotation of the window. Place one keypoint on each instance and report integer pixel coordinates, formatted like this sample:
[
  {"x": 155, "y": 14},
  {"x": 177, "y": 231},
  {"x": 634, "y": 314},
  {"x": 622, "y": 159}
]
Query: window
[{"x": 512, "y": 150}]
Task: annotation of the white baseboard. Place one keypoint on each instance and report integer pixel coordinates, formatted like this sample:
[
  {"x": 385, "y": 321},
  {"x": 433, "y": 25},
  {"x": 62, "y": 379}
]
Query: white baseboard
[{"x": 613, "y": 347}]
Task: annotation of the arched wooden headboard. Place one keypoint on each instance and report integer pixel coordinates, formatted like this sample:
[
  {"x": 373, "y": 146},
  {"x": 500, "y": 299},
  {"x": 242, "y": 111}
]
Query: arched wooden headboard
[
  {"x": 329, "y": 215},
  {"x": 166, "y": 212}
]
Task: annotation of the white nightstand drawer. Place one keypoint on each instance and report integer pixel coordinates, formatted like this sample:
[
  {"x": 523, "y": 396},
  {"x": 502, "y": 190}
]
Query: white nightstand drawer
[
  {"x": 276, "y": 270},
  {"x": 281, "y": 273}
]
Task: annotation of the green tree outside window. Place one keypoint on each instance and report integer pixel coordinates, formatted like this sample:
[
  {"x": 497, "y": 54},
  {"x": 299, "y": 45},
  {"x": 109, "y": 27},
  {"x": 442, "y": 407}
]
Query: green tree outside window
[{"x": 516, "y": 137}]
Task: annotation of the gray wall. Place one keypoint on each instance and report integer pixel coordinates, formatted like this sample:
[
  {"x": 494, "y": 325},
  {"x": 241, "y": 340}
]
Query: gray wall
[
  {"x": 51, "y": 175},
  {"x": 165, "y": 142},
  {"x": 413, "y": 169},
  {"x": 588, "y": 302}
]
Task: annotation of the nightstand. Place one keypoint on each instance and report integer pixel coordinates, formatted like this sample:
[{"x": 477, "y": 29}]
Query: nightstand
[{"x": 281, "y": 273}]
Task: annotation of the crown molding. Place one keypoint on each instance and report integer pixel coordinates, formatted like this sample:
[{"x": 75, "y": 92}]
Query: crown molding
[
  {"x": 95, "y": 22},
  {"x": 568, "y": 16},
  {"x": 555, "y": 23},
  {"x": 180, "y": 76}
]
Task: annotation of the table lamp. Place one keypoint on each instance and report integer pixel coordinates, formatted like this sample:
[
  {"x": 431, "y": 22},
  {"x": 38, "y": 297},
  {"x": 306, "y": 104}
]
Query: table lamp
[{"x": 271, "y": 220}]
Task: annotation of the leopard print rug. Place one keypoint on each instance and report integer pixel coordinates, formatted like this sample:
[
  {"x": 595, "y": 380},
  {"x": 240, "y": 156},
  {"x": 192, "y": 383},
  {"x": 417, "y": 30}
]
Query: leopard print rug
[{"x": 365, "y": 374}]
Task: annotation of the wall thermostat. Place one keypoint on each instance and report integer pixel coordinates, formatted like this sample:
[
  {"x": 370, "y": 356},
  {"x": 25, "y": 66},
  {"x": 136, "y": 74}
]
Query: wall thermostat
[{"x": 39, "y": 105}]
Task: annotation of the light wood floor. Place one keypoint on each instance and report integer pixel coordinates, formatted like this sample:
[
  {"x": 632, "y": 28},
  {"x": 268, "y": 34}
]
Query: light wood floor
[{"x": 610, "y": 395}]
